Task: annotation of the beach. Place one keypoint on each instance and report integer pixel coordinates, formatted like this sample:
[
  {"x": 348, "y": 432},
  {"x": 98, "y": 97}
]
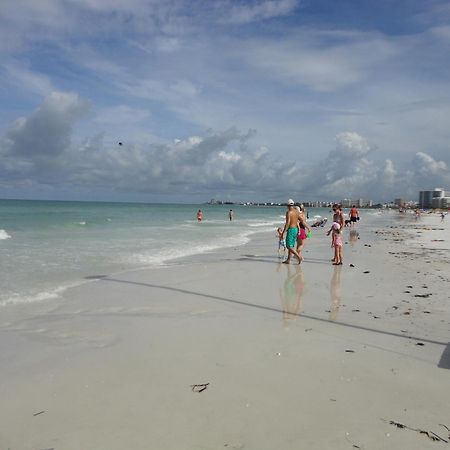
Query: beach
[{"x": 230, "y": 349}]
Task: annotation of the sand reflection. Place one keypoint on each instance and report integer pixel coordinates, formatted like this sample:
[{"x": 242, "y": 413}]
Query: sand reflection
[
  {"x": 291, "y": 293},
  {"x": 353, "y": 237},
  {"x": 335, "y": 292}
]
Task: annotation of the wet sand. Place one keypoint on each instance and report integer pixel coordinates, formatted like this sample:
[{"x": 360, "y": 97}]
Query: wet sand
[{"x": 313, "y": 356}]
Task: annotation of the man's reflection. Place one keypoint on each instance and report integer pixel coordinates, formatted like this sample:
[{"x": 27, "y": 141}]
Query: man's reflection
[
  {"x": 335, "y": 292},
  {"x": 291, "y": 293}
]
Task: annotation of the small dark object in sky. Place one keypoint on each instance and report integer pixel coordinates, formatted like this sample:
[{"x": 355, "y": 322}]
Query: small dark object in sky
[{"x": 120, "y": 143}]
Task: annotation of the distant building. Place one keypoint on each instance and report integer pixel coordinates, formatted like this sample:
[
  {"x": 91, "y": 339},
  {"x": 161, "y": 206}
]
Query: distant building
[
  {"x": 400, "y": 202},
  {"x": 432, "y": 199},
  {"x": 359, "y": 203}
]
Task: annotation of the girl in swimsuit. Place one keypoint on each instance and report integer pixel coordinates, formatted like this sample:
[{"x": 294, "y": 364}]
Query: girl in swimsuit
[{"x": 336, "y": 243}]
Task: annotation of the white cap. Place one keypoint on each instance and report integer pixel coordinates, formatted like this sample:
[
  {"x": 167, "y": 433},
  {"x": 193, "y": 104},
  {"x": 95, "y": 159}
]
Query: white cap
[
  {"x": 291, "y": 202},
  {"x": 336, "y": 226}
]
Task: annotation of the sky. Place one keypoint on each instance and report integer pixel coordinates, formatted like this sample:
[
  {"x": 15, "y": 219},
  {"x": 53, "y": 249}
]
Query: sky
[{"x": 261, "y": 100}]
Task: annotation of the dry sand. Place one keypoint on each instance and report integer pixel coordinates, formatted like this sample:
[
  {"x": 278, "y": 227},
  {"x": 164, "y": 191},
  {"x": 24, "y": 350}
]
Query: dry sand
[{"x": 309, "y": 357}]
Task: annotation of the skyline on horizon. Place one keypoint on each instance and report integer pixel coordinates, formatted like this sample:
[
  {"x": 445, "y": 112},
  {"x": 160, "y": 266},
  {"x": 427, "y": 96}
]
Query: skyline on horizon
[{"x": 172, "y": 101}]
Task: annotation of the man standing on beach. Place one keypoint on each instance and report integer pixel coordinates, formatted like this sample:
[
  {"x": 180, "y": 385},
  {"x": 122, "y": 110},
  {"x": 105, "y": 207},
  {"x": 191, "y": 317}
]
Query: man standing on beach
[
  {"x": 291, "y": 230},
  {"x": 354, "y": 215},
  {"x": 231, "y": 215}
]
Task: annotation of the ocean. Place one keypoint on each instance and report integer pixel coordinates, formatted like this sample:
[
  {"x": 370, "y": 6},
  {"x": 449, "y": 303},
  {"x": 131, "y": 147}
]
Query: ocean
[{"x": 48, "y": 246}]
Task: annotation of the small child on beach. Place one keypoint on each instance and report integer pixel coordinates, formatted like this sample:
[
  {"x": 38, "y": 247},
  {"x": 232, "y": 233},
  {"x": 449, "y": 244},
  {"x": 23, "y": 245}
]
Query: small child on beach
[
  {"x": 336, "y": 243},
  {"x": 281, "y": 241}
]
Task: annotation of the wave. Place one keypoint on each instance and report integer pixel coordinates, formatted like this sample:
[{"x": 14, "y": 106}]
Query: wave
[
  {"x": 270, "y": 224},
  {"x": 4, "y": 235},
  {"x": 163, "y": 256},
  {"x": 19, "y": 299}
]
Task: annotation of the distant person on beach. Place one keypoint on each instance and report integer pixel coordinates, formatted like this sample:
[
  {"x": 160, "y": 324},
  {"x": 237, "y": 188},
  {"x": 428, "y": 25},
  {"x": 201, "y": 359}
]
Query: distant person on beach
[
  {"x": 281, "y": 241},
  {"x": 354, "y": 215},
  {"x": 417, "y": 213},
  {"x": 336, "y": 243},
  {"x": 231, "y": 215},
  {"x": 199, "y": 215},
  {"x": 291, "y": 230},
  {"x": 442, "y": 217},
  {"x": 319, "y": 222}
]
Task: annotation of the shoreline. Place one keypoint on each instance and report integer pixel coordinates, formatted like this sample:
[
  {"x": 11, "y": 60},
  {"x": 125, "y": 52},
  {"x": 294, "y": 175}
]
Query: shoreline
[{"x": 322, "y": 347}]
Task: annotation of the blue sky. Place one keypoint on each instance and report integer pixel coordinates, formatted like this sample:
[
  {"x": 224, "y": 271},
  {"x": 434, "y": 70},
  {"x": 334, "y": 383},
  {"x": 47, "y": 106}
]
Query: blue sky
[{"x": 255, "y": 100}]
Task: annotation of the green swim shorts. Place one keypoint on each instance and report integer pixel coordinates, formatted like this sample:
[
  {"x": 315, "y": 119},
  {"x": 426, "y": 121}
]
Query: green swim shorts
[{"x": 291, "y": 237}]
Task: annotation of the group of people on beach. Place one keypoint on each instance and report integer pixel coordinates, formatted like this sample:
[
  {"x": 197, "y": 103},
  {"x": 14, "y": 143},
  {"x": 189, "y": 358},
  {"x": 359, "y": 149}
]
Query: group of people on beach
[{"x": 293, "y": 236}]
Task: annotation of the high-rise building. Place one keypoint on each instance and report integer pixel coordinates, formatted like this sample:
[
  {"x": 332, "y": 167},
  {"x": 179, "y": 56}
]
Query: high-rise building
[{"x": 426, "y": 198}]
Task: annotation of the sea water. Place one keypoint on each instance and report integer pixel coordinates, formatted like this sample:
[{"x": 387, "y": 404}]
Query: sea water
[{"x": 48, "y": 246}]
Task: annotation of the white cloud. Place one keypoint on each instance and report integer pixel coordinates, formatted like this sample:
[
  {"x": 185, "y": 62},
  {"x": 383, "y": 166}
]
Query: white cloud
[
  {"x": 38, "y": 149},
  {"x": 121, "y": 115},
  {"x": 260, "y": 10},
  {"x": 322, "y": 61},
  {"x": 25, "y": 79}
]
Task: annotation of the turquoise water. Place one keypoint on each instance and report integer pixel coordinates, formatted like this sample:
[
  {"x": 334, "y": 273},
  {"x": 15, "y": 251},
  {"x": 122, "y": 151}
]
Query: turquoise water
[{"x": 47, "y": 246}]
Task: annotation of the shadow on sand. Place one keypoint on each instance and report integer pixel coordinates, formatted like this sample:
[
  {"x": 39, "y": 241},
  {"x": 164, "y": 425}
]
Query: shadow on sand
[{"x": 279, "y": 311}]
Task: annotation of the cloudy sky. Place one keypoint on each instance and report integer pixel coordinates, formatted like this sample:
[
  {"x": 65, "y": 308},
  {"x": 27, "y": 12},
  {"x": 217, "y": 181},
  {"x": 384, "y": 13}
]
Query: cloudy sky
[{"x": 177, "y": 100}]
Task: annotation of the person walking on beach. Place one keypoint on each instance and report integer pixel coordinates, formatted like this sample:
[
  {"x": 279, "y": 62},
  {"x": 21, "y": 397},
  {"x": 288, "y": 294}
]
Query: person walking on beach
[
  {"x": 199, "y": 215},
  {"x": 231, "y": 215},
  {"x": 336, "y": 243},
  {"x": 354, "y": 215},
  {"x": 291, "y": 230},
  {"x": 303, "y": 226}
]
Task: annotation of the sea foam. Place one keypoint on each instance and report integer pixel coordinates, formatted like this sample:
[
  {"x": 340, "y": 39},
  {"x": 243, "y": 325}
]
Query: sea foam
[{"x": 4, "y": 235}]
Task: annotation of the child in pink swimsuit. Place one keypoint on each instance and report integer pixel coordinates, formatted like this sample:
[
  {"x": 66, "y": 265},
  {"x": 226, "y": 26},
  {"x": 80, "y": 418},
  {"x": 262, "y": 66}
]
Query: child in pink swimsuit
[{"x": 336, "y": 242}]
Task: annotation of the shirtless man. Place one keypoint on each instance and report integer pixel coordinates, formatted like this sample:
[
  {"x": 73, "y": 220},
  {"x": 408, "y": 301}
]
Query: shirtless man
[
  {"x": 291, "y": 230},
  {"x": 354, "y": 214}
]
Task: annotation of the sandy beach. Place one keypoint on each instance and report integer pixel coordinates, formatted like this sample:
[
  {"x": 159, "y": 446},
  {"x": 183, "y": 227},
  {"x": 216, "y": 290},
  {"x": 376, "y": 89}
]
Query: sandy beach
[{"x": 286, "y": 357}]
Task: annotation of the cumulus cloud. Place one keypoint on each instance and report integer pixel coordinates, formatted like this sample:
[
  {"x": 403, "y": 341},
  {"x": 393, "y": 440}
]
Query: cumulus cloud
[
  {"x": 349, "y": 172},
  {"x": 47, "y": 131},
  {"x": 39, "y": 149}
]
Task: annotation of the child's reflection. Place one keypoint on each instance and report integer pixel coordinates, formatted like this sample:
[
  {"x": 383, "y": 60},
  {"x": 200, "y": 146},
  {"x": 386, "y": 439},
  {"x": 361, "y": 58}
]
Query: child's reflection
[
  {"x": 291, "y": 293},
  {"x": 335, "y": 292}
]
